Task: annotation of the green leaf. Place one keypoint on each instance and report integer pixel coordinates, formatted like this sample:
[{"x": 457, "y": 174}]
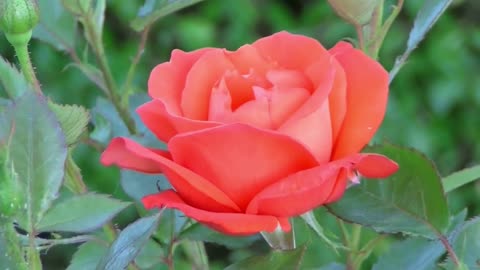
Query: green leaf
[
  {"x": 73, "y": 120},
  {"x": 56, "y": 26},
  {"x": 103, "y": 128},
  {"x": 12, "y": 80},
  {"x": 82, "y": 213},
  {"x": 312, "y": 222},
  {"x": 113, "y": 125},
  {"x": 11, "y": 255},
  {"x": 426, "y": 18},
  {"x": 92, "y": 73},
  {"x": 467, "y": 245},
  {"x": 198, "y": 232},
  {"x": 154, "y": 10},
  {"x": 173, "y": 222},
  {"x": 418, "y": 253},
  {"x": 129, "y": 243},
  {"x": 72, "y": 176},
  {"x": 460, "y": 178},
  {"x": 138, "y": 185},
  {"x": 38, "y": 151},
  {"x": 411, "y": 201},
  {"x": 87, "y": 256},
  {"x": 150, "y": 255},
  {"x": 108, "y": 123},
  {"x": 275, "y": 260},
  {"x": 411, "y": 254}
]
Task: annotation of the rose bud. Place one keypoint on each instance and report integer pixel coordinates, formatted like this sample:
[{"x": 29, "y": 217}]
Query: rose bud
[
  {"x": 356, "y": 12},
  {"x": 17, "y": 20}
]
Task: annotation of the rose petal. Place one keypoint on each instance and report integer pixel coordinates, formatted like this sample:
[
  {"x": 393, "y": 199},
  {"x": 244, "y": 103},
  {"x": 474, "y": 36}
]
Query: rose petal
[
  {"x": 310, "y": 124},
  {"x": 376, "y": 166},
  {"x": 239, "y": 159},
  {"x": 339, "y": 188},
  {"x": 305, "y": 190},
  {"x": 202, "y": 78},
  {"x": 239, "y": 88},
  {"x": 228, "y": 223},
  {"x": 314, "y": 131},
  {"x": 283, "y": 102},
  {"x": 247, "y": 58},
  {"x": 289, "y": 79},
  {"x": 165, "y": 125},
  {"x": 290, "y": 51},
  {"x": 255, "y": 112},
  {"x": 338, "y": 100},
  {"x": 167, "y": 80},
  {"x": 367, "y": 92},
  {"x": 194, "y": 189}
]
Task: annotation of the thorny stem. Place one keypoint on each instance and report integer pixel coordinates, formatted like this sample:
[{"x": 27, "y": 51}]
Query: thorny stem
[
  {"x": 451, "y": 253},
  {"x": 112, "y": 91},
  {"x": 27, "y": 67}
]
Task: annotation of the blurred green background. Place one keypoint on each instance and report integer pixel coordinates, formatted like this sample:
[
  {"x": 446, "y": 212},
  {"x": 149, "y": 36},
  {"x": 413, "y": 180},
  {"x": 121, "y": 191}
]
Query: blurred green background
[{"x": 434, "y": 104}]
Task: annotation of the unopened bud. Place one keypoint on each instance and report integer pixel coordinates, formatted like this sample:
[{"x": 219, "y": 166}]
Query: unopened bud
[
  {"x": 356, "y": 12},
  {"x": 18, "y": 16}
]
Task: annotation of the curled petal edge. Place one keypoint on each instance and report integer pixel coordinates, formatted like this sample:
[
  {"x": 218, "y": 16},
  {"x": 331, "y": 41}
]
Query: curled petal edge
[
  {"x": 228, "y": 223},
  {"x": 305, "y": 190},
  {"x": 128, "y": 154}
]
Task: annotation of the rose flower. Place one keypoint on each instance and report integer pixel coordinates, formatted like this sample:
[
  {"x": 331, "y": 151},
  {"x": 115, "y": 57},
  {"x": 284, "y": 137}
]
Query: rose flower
[{"x": 261, "y": 134}]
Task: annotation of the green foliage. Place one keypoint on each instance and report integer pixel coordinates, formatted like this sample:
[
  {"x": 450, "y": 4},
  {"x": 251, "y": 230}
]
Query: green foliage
[
  {"x": 56, "y": 29},
  {"x": 87, "y": 256},
  {"x": 12, "y": 80},
  {"x": 154, "y": 10},
  {"x": 129, "y": 243},
  {"x": 11, "y": 256},
  {"x": 198, "y": 232},
  {"x": 275, "y": 260},
  {"x": 460, "y": 178},
  {"x": 426, "y": 18},
  {"x": 138, "y": 185},
  {"x": 411, "y": 201},
  {"x": 150, "y": 255},
  {"x": 38, "y": 151},
  {"x": 433, "y": 102},
  {"x": 83, "y": 213},
  {"x": 73, "y": 120},
  {"x": 419, "y": 253},
  {"x": 467, "y": 245}
]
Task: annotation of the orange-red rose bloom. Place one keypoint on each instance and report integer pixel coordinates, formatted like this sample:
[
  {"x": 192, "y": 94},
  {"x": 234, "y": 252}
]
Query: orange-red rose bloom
[{"x": 261, "y": 134}]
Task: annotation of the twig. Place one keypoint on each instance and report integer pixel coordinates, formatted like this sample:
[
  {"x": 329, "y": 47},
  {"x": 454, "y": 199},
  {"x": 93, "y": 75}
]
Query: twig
[{"x": 136, "y": 59}]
